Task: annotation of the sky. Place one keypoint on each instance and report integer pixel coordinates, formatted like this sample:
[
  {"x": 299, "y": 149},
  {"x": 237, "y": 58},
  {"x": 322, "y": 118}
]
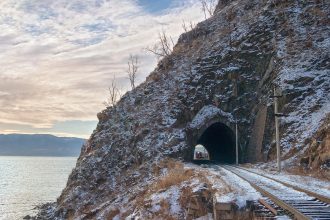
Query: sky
[{"x": 57, "y": 57}]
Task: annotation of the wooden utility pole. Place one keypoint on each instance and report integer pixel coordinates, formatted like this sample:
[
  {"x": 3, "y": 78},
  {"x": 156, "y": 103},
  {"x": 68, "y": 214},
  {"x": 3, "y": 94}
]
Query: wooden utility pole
[
  {"x": 236, "y": 143},
  {"x": 277, "y": 132}
]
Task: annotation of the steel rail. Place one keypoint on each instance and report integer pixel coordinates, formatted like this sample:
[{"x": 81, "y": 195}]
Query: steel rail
[
  {"x": 276, "y": 200},
  {"x": 308, "y": 192}
]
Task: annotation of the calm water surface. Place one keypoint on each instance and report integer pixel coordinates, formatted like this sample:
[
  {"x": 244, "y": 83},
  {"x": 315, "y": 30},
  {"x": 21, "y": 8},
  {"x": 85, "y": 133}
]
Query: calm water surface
[{"x": 29, "y": 181}]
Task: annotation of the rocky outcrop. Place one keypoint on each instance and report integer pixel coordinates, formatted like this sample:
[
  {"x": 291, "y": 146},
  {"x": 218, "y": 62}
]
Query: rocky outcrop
[
  {"x": 230, "y": 63},
  {"x": 317, "y": 155}
]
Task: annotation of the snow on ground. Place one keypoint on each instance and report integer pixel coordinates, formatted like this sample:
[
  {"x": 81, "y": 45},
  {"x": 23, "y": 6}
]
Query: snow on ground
[
  {"x": 275, "y": 188},
  {"x": 305, "y": 182},
  {"x": 172, "y": 195},
  {"x": 229, "y": 187},
  {"x": 243, "y": 191}
]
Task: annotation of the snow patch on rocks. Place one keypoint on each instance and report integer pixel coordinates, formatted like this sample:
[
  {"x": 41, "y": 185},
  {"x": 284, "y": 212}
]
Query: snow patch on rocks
[{"x": 207, "y": 113}]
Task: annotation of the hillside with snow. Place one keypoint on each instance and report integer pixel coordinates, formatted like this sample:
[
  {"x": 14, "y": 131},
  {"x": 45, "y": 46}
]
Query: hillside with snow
[{"x": 222, "y": 71}]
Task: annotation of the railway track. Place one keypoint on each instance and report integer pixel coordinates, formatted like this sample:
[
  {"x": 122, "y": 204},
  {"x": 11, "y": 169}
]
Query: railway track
[
  {"x": 320, "y": 197},
  {"x": 301, "y": 203}
]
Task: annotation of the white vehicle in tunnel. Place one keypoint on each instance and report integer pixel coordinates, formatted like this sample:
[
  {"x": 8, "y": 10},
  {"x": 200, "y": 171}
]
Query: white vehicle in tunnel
[{"x": 200, "y": 153}]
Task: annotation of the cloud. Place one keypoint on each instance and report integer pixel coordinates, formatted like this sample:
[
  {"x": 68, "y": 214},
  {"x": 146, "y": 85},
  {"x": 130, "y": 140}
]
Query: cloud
[{"x": 58, "y": 57}]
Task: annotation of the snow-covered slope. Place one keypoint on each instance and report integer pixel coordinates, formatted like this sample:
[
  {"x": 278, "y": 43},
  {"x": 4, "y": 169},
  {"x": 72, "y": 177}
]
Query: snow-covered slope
[{"x": 226, "y": 67}]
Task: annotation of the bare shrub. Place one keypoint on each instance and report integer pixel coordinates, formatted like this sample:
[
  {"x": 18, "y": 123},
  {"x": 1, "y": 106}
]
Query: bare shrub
[
  {"x": 165, "y": 206},
  {"x": 318, "y": 13},
  {"x": 309, "y": 41},
  {"x": 231, "y": 14},
  {"x": 140, "y": 199},
  {"x": 185, "y": 196},
  {"x": 189, "y": 31},
  {"x": 112, "y": 213},
  {"x": 163, "y": 47},
  {"x": 187, "y": 26},
  {"x": 133, "y": 67},
  {"x": 114, "y": 94},
  {"x": 182, "y": 48},
  {"x": 208, "y": 7},
  {"x": 164, "y": 212}
]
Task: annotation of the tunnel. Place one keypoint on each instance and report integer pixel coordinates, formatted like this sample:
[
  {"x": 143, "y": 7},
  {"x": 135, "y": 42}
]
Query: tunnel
[{"x": 219, "y": 140}]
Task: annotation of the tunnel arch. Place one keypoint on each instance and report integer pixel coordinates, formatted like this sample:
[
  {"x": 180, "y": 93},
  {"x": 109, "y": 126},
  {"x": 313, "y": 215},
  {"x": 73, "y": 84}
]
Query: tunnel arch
[{"x": 219, "y": 140}]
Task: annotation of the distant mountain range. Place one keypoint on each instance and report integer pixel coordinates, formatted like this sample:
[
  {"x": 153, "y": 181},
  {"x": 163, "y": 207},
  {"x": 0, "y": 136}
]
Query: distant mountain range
[{"x": 39, "y": 145}]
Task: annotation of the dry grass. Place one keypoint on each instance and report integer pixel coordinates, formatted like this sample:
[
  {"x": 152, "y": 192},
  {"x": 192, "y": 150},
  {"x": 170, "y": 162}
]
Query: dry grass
[
  {"x": 317, "y": 12},
  {"x": 164, "y": 212},
  {"x": 175, "y": 176},
  {"x": 309, "y": 42},
  {"x": 112, "y": 214},
  {"x": 231, "y": 14},
  {"x": 179, "y": 49},
  {"x": 186, "y": 194},
  {"x": 70, "y": 214},
  {"x": 140, "y": 199}
]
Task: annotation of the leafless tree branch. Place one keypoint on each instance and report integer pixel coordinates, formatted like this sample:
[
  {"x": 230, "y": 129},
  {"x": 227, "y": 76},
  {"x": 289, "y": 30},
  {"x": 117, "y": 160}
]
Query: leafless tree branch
[
  {"x": 114, "y": 94},
  {"x": 133, "y": 67},
  {"x": 208, "y": 7},
  {"x": 187, "y": 26},
  {"x": 164, "y": 46}
]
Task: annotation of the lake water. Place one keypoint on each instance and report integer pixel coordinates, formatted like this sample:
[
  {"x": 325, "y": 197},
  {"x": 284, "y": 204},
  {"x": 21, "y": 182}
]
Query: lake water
[{"x": 29, "y": 181}]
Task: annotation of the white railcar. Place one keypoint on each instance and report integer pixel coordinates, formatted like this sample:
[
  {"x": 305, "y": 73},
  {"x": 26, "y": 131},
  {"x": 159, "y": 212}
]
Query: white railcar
[{"x": 201, "y": 153}]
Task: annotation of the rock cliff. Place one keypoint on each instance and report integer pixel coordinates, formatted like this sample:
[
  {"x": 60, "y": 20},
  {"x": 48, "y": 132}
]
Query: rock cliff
[{"x": 222, "y": 71}]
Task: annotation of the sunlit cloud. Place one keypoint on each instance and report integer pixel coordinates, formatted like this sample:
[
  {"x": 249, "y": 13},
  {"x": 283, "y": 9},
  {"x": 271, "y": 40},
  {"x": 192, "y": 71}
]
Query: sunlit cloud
[{"x": 58, "y": 57}]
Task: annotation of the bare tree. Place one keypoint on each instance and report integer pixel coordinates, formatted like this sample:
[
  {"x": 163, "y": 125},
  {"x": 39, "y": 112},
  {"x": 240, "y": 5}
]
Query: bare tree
[
  {"x": 208, "y": 7},
  {"x": 187, "y": 26},
  {"x": 164, "y": 46},
  {"x": 114, "y": 94},
  {"x": 188, "y": 29},
  {"x": 133, "y": 67}
]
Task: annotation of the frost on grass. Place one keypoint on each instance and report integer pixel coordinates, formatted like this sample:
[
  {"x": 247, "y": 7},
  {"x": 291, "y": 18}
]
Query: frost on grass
[{"x": 172, "y": 196}]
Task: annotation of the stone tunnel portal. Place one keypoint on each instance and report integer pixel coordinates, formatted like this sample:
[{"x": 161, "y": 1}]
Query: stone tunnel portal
[{"x": 219, "y": 140}]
